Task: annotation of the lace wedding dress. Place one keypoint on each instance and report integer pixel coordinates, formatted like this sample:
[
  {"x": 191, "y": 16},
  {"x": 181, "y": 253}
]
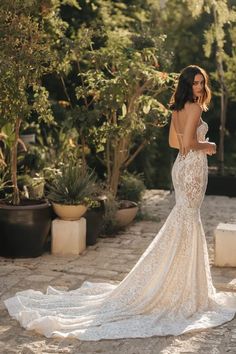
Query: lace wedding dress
[{"x": 168, "y": 292}]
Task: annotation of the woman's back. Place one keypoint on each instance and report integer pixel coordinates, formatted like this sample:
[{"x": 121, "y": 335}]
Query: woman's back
[{"x": 179, "y": 121}]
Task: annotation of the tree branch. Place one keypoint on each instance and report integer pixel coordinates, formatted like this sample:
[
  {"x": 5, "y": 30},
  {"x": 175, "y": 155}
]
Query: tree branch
[{"x": 137, "y": 151}]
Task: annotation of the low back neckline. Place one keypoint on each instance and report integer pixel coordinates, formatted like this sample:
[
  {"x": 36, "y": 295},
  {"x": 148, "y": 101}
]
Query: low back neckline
[
  {"x": 201, "y": 123},
  {"x": 199, "y": 131}
]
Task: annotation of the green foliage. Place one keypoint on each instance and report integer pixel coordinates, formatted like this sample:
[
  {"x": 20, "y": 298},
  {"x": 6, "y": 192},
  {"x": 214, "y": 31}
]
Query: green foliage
[
  {"x": 202, "y": 33},
  {"x": 131, "y": 187},
  {"x": 230, "y": 60},
  {"x": 4, "y": 180},
  {"x": 34, "y": 159},
  {"x": 112, "y": 83},
  {"x": 223, "y": 16},
  {"x": 105, "y": 53},
  {"x": 183, "y": 39},
  {"x": 26, "y": 55},
  {"x": 72, "y": 185},
  {"x": 29, "y": 49},
  {"x": 110, "y": 226},
  {"x": 110, "y": 63},
  {"x": 122, "y": 82}
]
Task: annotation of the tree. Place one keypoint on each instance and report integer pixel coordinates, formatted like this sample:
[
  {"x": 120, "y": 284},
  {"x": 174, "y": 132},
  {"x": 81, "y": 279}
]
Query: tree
[
  {"x": 121, "y": 87},
  {"x": 215, "y": 36},
  {"x": 26, "y": 55},
  {"x": 102, "y": 46}
]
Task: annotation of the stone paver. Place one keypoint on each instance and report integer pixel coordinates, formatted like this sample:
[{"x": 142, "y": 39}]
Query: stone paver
[{"x": 111, "y": 259}]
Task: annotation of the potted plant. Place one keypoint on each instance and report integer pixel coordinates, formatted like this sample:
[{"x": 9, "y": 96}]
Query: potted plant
[
  {"x": 119, "y": 90},
  {"x": 71, "y": 191},
  {"x": 130, "y": 190},
  {"x": 121, "y": 211},
  {"x": 24, "y": 227},
  {"x": 24, "y": 223},
  {"x": 119, "y": 110}
]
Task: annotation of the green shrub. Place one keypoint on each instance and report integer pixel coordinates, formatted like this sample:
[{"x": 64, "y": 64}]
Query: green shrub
[
  {"x": 110, "y": 226},
  {"x": 131, "y": 187},
  {"x": 72, "y": 185}
]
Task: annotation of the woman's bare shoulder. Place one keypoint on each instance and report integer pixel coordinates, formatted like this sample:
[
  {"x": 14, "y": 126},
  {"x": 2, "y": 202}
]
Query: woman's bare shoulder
[{"x": 193, "y": 107}]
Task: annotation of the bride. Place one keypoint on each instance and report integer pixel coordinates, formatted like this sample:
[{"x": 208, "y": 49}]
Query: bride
[{"x": 169, "y": 291}]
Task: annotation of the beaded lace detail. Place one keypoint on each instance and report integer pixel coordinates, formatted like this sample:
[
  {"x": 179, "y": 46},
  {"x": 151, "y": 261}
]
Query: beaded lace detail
[{"x": 168, "y": 291}]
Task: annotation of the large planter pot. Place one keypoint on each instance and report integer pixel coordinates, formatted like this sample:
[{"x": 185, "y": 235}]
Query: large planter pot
[
  {"x": 24, "y": 229},
  {"x": 69, "y": 212},
  {"x": 126, "y": 213},
  {"x": 94, "y": 225}
]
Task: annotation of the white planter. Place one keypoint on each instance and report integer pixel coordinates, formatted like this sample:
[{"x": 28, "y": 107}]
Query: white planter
[
  {"x": 69, "y": 212},
  {"x": 68, "y": 237},
  {"x": 225, "y": 245}
]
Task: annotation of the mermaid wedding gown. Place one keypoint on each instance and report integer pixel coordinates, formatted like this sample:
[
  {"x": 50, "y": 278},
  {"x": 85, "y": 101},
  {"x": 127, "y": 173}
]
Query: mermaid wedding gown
[{"x": 168, "y": 292}]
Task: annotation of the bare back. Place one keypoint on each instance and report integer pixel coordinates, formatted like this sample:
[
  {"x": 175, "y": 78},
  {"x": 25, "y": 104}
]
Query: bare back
[{"x": 184, "y": 125}]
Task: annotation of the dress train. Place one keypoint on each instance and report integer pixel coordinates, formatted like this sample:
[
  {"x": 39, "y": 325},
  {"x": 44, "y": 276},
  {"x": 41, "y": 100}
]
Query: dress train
[{"x": 168, "y": 292}]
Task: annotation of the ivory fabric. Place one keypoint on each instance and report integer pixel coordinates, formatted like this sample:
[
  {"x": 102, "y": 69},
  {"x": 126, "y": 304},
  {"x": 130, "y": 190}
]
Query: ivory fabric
[{"x": 168, "y": 292}]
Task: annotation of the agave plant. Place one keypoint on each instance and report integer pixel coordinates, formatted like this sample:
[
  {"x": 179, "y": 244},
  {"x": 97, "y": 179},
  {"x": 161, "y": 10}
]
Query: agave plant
[
  {"x": 72, "y": 185},
  {"x": 3, "y": 180}
]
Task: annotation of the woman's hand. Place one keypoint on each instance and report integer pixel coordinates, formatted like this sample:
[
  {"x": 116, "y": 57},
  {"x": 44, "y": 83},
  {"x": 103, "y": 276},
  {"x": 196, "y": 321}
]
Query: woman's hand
[{"x": 211, "y": 149}]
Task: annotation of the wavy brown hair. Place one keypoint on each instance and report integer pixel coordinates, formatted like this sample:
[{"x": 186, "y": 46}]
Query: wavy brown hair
[{"x": 184, "y": 90}]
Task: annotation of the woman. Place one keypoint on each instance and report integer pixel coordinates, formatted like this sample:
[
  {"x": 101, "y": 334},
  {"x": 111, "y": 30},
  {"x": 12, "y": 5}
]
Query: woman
[{"x": 169, "y": 290}]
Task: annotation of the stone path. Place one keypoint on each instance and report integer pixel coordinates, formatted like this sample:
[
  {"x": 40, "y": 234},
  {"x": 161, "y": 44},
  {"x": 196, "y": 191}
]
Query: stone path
[{"x": 111, "y": 259}]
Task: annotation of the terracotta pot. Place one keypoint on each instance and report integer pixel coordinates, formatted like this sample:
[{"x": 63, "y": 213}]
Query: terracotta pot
[
  {"x": 69, "y": 212},
  {"x": 125, "y": 215}
]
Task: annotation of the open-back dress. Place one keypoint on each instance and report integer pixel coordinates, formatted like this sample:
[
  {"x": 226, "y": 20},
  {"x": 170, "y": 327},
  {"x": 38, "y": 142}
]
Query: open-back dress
[{"x": 168, "y": 292}]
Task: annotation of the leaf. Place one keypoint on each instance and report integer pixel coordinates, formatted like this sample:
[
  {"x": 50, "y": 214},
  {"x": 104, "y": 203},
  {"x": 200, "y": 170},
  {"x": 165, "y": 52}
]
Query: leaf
[
  {"x": 72, "y": 3},
  {"x": 124, "y": 110},
  {"x": 146, "y": 108}
]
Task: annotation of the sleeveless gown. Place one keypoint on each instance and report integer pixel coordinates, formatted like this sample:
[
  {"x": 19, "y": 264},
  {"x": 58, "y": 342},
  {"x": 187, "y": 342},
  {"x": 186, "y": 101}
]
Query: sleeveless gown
[{"x": 168, "y": 292}]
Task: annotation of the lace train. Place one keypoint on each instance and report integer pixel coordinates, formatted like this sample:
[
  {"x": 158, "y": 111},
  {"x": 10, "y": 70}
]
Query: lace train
[{"x": 168, "y": 292}]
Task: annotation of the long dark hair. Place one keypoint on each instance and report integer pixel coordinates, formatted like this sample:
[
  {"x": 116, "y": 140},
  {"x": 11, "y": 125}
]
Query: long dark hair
[{"x": 184, "y": 91}]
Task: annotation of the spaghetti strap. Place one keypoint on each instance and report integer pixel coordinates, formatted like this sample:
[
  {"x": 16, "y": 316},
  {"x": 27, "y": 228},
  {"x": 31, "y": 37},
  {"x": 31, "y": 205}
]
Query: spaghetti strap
[{"x": 179, "y": 135}]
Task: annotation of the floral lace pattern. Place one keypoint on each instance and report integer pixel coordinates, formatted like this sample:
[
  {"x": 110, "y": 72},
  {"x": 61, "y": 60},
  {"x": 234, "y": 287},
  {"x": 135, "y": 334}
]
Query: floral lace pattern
[{"x": 168, "y": 292}]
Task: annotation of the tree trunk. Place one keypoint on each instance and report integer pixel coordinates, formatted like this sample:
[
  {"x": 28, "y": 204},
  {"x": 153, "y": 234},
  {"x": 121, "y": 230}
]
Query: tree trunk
[
  {"x": 16, "y": 193},
  {"x": 120, "y": 156},
  {"x": 115, "y": 181},
  {"x": 136, "y": 152},
  {"x": 115, "y": 171},
  {"x": 223, "y": 88},
  {"x": 223, "y": 109},
  {"x": 223, "y": 112}
]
